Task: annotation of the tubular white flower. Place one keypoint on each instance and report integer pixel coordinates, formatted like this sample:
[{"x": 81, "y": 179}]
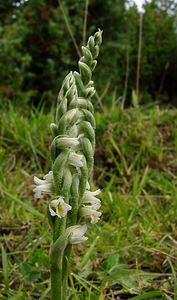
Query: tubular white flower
[
  {"x": 89, "y": 198},
  {"x": 77, "y": 235},
  {"x": 43, "y": 186},
  {"x": 59, "y": 208},
  {"x": 91, "y": 211},
  {"x": 75, "y": 160},
  {"x": 68, "y": 142}
]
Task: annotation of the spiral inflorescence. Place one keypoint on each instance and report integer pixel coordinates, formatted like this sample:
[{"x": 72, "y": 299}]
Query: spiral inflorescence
[{"x": 73, "y": 146}]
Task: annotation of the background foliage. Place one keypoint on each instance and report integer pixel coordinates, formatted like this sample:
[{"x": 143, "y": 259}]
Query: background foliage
[{"x": 37, "y": 48}]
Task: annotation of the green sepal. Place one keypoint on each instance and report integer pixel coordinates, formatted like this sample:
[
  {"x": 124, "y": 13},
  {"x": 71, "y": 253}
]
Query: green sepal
[
  {"x": 85, "y": 72},
  {"x": 91, "y": 43},
  {"x": 86, "y": 104},
  {"x": 88, "y": 152},
  {"x": 93, "y": 64},
  {"x": 80, "y": 85},
  {"x": 54, "y": 129},
  {"x": 73, "y": 103},
  {"x": 58, "y": 170},
  {"x": 86, "y": 128},
  {"x": 89, "y": 117},
  {"x": 87, "y": 54},
  {"x": 90, "y": 91},
  {"x": 74, "y": 198},
  {"x": 64, "y": 88},
  {"x": 98, "y": 37},
  {"x": 61, "y": 109},
  {"x": 68, "y": 119},
  {"x": 53, "y": 150},
  {"x": 83, "y": 179},
  {"x": 67, "y": 182},
  {"x": 71, "y": 93},
  {"x": 73, "y": 131},
  {"x": 95, "y": 51}
]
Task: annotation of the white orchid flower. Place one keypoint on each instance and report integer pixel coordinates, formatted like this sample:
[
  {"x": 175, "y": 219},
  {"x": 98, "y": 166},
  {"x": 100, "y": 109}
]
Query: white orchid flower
[
  {"x": 43, "y": 186},
  {"x": 58, "y": 207},
  {"x": 75, "y": 160},
  {"x": 91, "y": 211},
  {"x": 77, "y": 235},
  {"x": 89, "y": 198},
  {"x": 66, "y": 141}
]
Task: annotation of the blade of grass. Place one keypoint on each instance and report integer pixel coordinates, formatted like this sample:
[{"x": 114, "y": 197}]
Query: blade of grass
[
  {"x": 174, "y": 276},
  {"x": 148, "y": 295},
  {"x": 25, "y": 205},
  {"x": 5, "y": 267},
  {"x": 115, "y": 146}
]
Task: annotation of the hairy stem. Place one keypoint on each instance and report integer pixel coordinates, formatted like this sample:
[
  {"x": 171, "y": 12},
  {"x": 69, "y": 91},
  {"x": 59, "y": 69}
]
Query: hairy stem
[{"x": 56, "y": 283}]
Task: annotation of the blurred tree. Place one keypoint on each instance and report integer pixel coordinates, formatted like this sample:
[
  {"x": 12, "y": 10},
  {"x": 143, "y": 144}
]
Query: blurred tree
[
  {"x": 39, "y": 42},
  {"x": 159, "y": 48}
]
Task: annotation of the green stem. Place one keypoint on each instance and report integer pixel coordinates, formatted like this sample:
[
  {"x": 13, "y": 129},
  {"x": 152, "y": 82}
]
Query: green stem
[
  {"x": 59, "y": 228},
  {"x": 65, "y": 272},
  {"x": 56, "y": 261},
  {"x": 56, "y": 283}
]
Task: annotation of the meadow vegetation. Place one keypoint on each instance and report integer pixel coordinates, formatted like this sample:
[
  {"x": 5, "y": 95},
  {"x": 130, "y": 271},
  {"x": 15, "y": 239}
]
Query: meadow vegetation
[{"x": 131, "y": 252}]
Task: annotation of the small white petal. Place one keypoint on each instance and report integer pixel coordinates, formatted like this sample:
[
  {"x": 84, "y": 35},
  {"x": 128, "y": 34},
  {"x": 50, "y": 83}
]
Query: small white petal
[
  {"x": 55, "y": 202},
  {"x": 80, "y": 135},
  {"x": 52, "y": 212},
  {"x": 75, "y": 160},
  {"x": 49, "y": 176},
  {"x": 89, "y": 198},
  {"x": 38, "y": 181},
  {"x": 87, "y": 186},
  {"x": 90, "y": 194}
]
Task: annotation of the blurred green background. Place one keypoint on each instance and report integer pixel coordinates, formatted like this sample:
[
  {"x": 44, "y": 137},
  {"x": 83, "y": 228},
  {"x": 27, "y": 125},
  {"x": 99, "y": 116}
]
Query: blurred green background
[{"x": 40, "y": 42}]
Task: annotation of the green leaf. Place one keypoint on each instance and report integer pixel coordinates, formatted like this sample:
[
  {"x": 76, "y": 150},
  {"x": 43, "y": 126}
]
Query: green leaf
[
  {"x": 30, "y": 273},
  {"x": 148, "y": 295}
]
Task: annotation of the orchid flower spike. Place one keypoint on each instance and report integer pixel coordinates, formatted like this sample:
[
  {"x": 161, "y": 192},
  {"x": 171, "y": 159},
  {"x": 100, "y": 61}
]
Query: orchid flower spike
[{"x": 72, "y": 158}]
